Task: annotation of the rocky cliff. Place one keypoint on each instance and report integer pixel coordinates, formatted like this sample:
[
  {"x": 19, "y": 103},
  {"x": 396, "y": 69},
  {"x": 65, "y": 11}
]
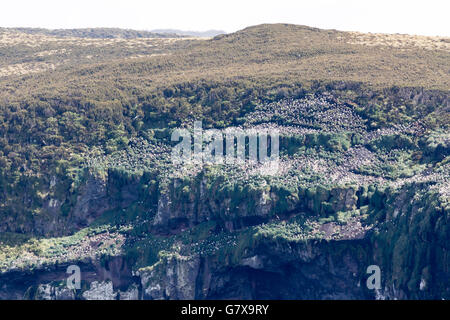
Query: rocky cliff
[{"x": 158, "y": 231}]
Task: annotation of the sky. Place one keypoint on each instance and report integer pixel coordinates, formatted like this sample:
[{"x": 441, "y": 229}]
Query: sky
[{"x": 430, "y": 17}]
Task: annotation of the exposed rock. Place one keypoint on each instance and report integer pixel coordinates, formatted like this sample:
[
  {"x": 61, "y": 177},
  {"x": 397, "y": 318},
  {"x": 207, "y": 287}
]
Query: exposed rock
[
  {"x": 100, "y": 291},
  {"x": 91, "y": 202},
  {"x": 132, "y": 293},
  {"x": 54, "y": 292},
  {"x": 173, "y": 278}
]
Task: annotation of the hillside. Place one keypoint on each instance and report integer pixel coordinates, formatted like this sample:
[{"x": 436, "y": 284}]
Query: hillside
[{"x": 86, "y": 176}]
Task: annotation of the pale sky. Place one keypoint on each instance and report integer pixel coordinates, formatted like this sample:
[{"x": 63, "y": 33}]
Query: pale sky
[{"x": 430, "y": 17}]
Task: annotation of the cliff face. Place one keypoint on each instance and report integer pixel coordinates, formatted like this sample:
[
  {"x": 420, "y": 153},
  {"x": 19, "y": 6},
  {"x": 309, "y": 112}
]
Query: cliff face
[
  {"x": 346, "y": 196},
  {"x": 207, "y": 201},
  {"x": 302, "y": 271},
  {"x": 269, "y": 272},
  {"x": 412, "y": 245}
]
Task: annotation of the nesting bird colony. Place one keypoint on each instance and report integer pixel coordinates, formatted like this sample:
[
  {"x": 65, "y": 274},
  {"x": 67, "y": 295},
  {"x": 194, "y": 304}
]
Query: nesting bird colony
[{"x": 345, "y": 162}]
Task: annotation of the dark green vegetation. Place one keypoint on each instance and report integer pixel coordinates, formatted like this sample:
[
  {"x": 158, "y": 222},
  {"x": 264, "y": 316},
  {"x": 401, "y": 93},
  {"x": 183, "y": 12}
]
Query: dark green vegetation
[{"x": 86, "y": 177}]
